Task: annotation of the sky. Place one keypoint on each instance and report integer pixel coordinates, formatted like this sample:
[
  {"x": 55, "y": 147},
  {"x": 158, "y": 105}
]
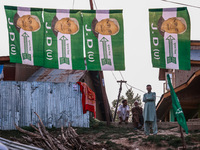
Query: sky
[{"x": 139, "y": 71}]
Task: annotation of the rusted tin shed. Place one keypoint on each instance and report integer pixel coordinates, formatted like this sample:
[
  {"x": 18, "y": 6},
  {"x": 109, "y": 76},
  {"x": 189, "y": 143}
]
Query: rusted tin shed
[
  {"x": 94, "y": 80},
  {"x": 57, "y": 104},
  {"x": 53, "y": 93},
  {"x": 57, "y": 75}
]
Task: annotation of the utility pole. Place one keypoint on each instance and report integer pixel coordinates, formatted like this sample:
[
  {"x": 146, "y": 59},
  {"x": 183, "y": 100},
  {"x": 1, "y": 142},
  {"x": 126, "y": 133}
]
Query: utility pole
[
  {"x": 91, "y": 5},
  {"x": 120, "y": 89},
  {"x": 105, "y": 99}
]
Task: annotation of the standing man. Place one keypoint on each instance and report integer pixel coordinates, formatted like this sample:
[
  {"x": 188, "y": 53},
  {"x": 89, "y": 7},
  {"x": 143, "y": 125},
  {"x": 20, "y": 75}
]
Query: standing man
[
  {"x": 150, "y": 111},
  {"x": 123, "y": 112}
]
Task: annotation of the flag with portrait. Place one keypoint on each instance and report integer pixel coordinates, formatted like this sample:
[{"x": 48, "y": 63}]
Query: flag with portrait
[
  {"x": 63, "y": 39},
  {"x": 170, "y": 38},
  {"x": 25, "y": 31},
  {"x": 104, "y": 39}
]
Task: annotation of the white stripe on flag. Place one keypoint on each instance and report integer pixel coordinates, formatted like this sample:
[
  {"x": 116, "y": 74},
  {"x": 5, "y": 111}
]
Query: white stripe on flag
[
  {"x": 26, "y": 44},
  {"x": 64, "y": 42},
  {"x": 171, "y": 42},
  {"x": 105, "y": 44}
]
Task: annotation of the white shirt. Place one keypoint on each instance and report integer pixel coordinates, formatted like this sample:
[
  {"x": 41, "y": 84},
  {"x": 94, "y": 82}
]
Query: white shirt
[{"x": 123, "y": 111}]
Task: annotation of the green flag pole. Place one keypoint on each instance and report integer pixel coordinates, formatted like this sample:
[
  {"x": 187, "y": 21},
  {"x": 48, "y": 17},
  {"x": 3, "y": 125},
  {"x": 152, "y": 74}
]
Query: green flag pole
[
  {"x": 178, "y": 111},
  {"x": 182, "y": 137}
]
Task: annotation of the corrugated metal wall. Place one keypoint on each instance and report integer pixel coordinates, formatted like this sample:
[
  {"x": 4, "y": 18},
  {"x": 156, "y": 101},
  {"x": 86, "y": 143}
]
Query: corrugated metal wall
[{"x": 56, "y": 104}]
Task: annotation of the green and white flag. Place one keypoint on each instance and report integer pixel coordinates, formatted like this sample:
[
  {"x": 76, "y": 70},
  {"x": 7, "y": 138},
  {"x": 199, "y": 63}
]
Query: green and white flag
[
  {"x": 170, "y": 38},
  {"x": 25, "y": 31},
  {"x": 104, "y": 39},
  {"x": 178, "y": 112},
  {"x": 63, "y": 39}
]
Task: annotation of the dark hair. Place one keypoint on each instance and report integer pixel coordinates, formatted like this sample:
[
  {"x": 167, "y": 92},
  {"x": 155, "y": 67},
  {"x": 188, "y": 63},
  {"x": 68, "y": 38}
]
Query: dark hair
[
  {"x": 148, "y": 85},
  {"x": 124, "y": 101}
]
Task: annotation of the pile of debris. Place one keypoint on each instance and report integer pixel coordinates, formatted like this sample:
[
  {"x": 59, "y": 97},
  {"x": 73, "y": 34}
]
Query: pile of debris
[{"x": 68, "y": 139}]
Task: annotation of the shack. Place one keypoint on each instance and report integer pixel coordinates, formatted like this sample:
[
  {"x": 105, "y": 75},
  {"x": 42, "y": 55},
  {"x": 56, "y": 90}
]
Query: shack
[{"x": 52, "y": 93}]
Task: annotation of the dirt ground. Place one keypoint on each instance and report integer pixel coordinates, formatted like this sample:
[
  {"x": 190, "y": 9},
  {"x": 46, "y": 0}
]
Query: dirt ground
[{"x": 102, "y": 137}]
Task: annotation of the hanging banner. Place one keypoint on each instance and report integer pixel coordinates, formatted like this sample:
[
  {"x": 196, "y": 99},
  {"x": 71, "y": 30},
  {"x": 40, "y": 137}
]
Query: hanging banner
[
  {"x": 63, "y": 39},
  {"x": 170, "y": 38},
  {"x": 25, "y": 31},
  {"x": 104, "y": 39}
]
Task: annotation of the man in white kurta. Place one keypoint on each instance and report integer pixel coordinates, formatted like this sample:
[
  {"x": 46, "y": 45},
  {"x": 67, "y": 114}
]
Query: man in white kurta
[
  {"x": 123, "y": 112},
  {"x": 150, "y": 111}
]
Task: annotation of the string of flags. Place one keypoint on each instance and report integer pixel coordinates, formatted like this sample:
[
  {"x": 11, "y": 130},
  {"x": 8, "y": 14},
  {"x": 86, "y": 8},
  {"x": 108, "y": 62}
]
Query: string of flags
[{"x": 57, "y": 38}]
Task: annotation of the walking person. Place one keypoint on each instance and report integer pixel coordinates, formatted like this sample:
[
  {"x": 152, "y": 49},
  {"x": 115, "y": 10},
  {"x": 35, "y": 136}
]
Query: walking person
[
  {"x": 150, "y": 118},
  {"x": 123, "y": 112}
]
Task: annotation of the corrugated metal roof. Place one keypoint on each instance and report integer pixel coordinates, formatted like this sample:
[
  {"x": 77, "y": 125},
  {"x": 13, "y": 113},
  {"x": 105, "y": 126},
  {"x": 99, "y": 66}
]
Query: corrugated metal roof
[
  {"x": 57, "y": 75},
  {"x": 11, "y": 145}
]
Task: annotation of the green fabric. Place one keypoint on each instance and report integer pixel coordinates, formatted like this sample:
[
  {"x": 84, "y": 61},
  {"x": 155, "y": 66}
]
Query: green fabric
[
  {"x": 172, "y": 117},
  {"x": 52, "y": 60},
  {"x": 13, "y": 34},
  {"x": 178, "y": 112},
  {"x": 184, "y": 42},
  {"x": 164, "y": 46},
  {"x": 158, "y": 61},
  {"x": 51, "y": 49},
  {"x": 113, "y": 51},
  {"x": 15, "y": 43},
  {"x": 149, "y": 107}
]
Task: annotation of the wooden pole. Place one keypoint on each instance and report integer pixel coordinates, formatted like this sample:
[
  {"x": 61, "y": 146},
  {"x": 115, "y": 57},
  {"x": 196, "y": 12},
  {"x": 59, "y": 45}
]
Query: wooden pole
[
  {"x": 120, "y": 89},
  {"x": 182, "y": 137},
  {"x": 105, "y": 98},
  {"x": 91, "y": 5}
]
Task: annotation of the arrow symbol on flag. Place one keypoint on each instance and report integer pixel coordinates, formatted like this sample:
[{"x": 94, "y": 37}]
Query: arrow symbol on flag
[
  {"x": 170, "y": 58},
  {"x": 26, "y": 55},
  {"x": 64, "y": 59},
  {"x": 105, "y": 60}
]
